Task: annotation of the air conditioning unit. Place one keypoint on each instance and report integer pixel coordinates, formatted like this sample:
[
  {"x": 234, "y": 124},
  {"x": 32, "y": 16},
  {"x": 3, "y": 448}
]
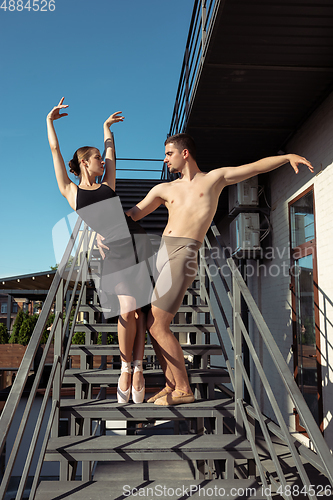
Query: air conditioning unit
[
  {"x": 245, "y": 236},
  {"x": 243, "y": 195}
]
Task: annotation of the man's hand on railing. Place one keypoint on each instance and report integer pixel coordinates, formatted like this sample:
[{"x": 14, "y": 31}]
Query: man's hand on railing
[{"x": 100, "y": 245}]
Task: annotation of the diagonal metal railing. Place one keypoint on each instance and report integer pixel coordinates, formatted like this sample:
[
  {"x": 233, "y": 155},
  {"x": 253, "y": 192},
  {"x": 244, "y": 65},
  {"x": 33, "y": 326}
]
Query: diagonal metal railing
[
  {"x": 69, "y": 281},
  {"x": 202, "y": 22},
  {"x": 215, "y": 288},
  {"x": 67, "y": 292},
  {"x": 73, "y": 278}
]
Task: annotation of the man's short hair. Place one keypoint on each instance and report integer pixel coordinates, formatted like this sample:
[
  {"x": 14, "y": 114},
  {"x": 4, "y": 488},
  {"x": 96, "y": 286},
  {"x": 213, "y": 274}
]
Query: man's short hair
[{"x": 183, "y": 141}]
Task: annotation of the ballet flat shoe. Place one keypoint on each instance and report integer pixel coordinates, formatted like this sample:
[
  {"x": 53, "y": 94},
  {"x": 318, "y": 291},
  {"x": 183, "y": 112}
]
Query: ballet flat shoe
[
  {"x": 158, "y": 395},
  {"x": 172, "y": 399}
]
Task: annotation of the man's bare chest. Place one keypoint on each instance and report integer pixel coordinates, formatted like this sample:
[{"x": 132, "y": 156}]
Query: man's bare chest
[{"x": 193, "y": 196}]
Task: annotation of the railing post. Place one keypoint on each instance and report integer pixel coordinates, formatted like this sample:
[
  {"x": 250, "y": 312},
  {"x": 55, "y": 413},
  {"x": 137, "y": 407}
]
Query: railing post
[
  {"x": 187, "y": 87},
  {"x": 203, "y": 26},
  {"x": 58, "y": 335},
  {"x": 202, "y": 274},
  {"x": 177, "y": 116},
  {"x": 85, "y": 252},
  {"x": 202, "y": 292},
  {"x": 236, "y": 294},
  {"x": 245, "y": 319},
  {"x": 87, "y": 422}
]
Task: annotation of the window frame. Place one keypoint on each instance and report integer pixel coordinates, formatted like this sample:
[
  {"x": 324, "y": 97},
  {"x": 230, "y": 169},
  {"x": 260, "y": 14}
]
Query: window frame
[{"x": 300, "y": 251}]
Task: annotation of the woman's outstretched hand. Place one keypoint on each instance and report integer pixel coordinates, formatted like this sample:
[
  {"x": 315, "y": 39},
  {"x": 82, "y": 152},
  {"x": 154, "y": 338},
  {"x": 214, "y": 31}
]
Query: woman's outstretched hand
[
  {"x": 54, "y": 114},
  {"x": 114, "y": 118}
]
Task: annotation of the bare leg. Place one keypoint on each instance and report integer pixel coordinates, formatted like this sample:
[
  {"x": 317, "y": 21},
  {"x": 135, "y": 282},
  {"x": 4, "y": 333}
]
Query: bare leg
[
  {"x": 169, "y": 378},
  {"x": 139, "y": 347},
  {"x": 169, "y": 384},
  {"x": 169, "y": 349},
  {"x": 126, "y": 335}
]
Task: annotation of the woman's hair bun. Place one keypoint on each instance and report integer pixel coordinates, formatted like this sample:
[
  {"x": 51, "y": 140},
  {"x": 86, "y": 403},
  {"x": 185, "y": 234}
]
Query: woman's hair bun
[
  {"x": 80, "y": 154},
  {"x": 74, "y": 166}
]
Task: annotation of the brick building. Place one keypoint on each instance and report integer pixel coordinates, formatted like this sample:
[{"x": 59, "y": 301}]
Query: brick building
[
  {"x": 24, "y": 292},
  {"x": 15, "y": 305}
]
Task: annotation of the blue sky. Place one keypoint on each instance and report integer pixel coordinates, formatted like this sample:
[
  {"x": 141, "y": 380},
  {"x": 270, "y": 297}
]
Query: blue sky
[{"x": 103, "y": 56}]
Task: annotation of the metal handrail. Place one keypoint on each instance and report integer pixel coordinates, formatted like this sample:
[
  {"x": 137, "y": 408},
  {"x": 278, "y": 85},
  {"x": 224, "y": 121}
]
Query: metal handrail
[
  {"x": 63, "y": 279},
  {"x": 57, "y": 361},
  {"x": 294, "y": 392},
  {"x": 323, "y": 459},
  {"x": 55, "y": 405},
  {"x": 237, "y": 333},
  {"x": 33, "y": 444},
  {"x": 27, "y": 410},
  {"x": 201, "y": 25},
  {"x": 161, "y": 171},
  {"x": 30, "y": 353}
]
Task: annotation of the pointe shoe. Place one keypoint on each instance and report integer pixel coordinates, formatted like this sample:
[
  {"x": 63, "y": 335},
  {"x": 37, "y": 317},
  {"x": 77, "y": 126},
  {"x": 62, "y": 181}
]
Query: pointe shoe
[
  {"x": 123, "y": 396},
  {"x": 138, "y": 396}
]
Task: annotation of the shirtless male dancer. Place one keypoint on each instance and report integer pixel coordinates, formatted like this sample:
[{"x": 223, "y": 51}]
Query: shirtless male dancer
[{"x": 191, "y": 201}]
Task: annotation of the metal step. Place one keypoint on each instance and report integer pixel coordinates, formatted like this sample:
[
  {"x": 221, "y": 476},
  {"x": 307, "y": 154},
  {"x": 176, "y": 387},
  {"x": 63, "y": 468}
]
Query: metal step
[
  {"x": 131, "y": 191},
  {"x": 239, "y": 489},
  {"x": 113, "y": 349},
  {"x": 137, "y": 188},
  {"x": 183, "y": 308},
  {"x": 155, "y": 447},
  {"x": 111, "y": 410},
  {"x": 112, "y": 327},
  {"x": 138, "y": 471},
  {"x": 153, "y": 378}
]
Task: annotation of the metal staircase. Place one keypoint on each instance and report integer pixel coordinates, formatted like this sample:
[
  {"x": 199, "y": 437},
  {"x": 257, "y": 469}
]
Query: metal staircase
[
  {"x": 202, "y": 443},
  {"x": 209, "y": 447},
  {"x": 131, "y": 192}
]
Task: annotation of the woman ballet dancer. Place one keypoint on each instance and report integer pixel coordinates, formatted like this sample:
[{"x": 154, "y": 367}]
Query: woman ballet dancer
[{"x": 96, "y": 204}]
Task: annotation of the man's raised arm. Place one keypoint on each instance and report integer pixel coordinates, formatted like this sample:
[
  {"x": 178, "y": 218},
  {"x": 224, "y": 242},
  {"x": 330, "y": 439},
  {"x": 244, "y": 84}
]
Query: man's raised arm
[
  {"x": 233, "y": 175},
  {"x": 150, "y": 203}
]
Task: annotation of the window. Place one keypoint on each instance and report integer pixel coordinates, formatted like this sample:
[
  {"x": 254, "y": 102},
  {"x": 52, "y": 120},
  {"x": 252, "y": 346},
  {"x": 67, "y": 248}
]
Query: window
[
  {"x": 4, "y": 308},
  {"x": 302, "y": 220},
  {"x": 306, "y": 342}
]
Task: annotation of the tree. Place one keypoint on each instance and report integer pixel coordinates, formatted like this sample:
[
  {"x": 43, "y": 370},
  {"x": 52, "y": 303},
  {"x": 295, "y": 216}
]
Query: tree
[
  {"x": 3, "y": 334},
  {"x": 27, "y": 328},
  {"x": 111, "y": 338},
  {"x": 69, "y": 263},
  {"x": 79, "y": 338},
  {"x": 14, "y": 338}
]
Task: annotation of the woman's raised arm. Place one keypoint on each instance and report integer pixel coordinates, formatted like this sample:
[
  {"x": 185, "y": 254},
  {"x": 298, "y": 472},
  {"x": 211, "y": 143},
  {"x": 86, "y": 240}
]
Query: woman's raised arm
[
  {"x": 110, "y": 157},
  {"x": 64, "y": 182}
]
